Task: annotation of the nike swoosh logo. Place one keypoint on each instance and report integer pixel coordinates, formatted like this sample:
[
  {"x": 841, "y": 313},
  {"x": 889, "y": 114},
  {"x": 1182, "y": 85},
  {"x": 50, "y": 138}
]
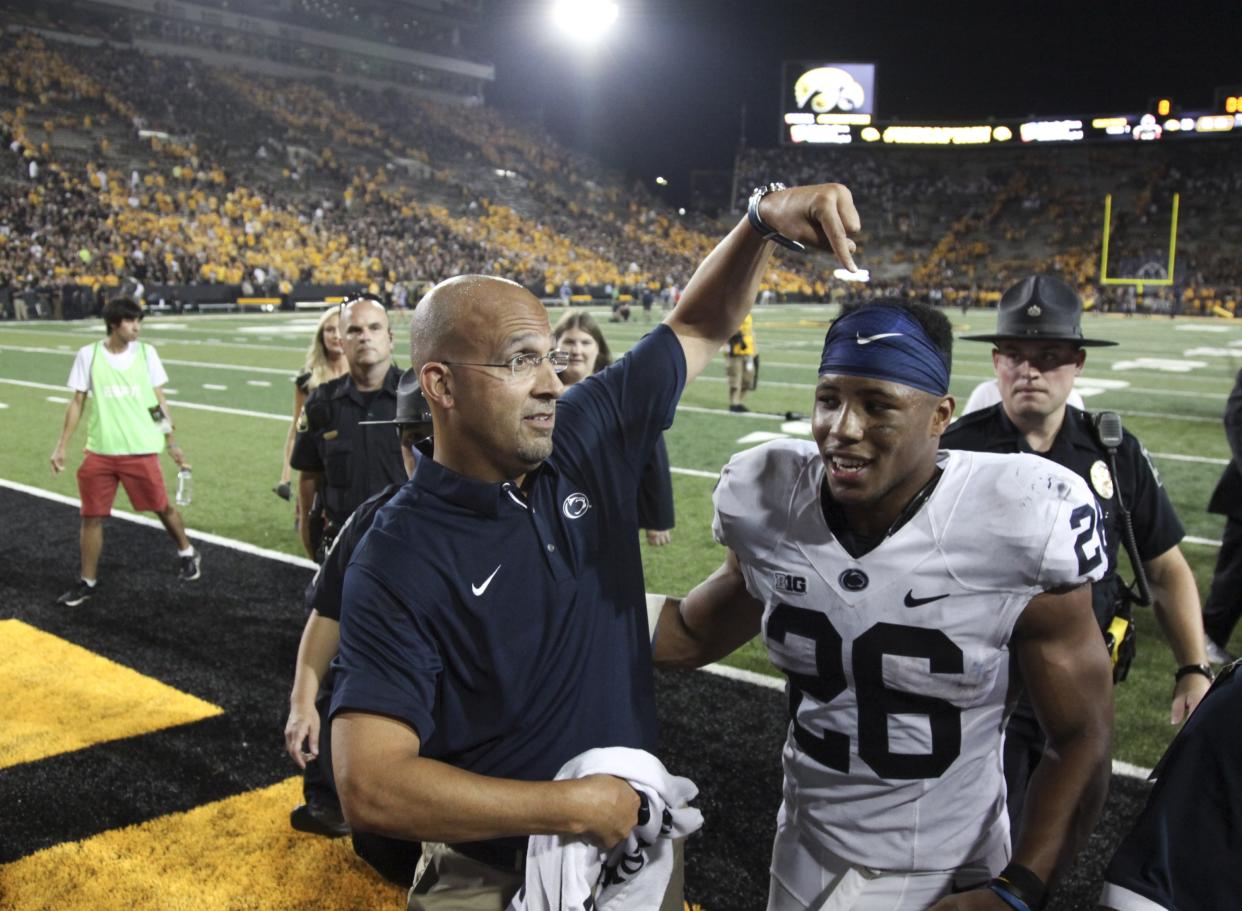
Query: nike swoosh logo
[
  {"x": 912, "y": 601},
  {"x": 480, "y": 589},
  {"x": 875, "y": 338}
]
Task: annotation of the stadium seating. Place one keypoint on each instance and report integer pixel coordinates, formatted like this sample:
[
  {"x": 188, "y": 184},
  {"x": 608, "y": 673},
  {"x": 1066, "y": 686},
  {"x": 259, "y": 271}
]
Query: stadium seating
[{"x": 122, "y": 165}]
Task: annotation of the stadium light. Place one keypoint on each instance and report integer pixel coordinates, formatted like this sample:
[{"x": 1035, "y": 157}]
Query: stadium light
[
  {"x": 662, "y": 181},
  {"x": 584, "y": 20}
]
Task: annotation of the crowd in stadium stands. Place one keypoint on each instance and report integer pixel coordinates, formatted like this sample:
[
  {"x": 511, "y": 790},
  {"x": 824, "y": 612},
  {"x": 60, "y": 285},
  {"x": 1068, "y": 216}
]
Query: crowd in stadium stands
[{"x": 120, "y": 165}]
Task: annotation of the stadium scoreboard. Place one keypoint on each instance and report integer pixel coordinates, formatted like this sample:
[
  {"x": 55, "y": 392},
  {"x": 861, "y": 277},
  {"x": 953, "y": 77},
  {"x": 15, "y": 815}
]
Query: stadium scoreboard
[
  {"x": 829, "y": 103},
  {"x": 822, "y": 101}
]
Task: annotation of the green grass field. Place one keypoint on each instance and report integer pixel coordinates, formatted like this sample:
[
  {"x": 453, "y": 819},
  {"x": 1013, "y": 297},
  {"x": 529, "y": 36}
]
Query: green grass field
[{"x": 233, "y": 398}]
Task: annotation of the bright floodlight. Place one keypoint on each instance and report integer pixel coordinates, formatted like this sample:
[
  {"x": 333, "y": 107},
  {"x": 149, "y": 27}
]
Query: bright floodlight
[{"x": 584, "y": 20}]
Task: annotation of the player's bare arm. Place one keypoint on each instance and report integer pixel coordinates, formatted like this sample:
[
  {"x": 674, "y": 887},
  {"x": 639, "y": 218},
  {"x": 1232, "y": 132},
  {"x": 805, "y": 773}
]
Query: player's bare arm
[
  {"x": 1066, "y": 672},
  {"x": 725, "y": 284},
  {"x": 1069, "y": 679},
  {"x": 1176, "y": 606},
  {"x": 385, "y": 786},
  {"x": 716, "y": 618}
]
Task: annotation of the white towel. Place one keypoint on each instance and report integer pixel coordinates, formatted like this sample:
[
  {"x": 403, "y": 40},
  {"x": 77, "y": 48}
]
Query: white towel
[{"x": 565, "y": 873}]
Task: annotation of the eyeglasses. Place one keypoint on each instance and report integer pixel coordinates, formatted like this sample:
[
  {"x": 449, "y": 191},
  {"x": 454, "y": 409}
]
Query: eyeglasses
[
  {"x": 1042, "y": 360},
  {"x": 524, "y": 365}
]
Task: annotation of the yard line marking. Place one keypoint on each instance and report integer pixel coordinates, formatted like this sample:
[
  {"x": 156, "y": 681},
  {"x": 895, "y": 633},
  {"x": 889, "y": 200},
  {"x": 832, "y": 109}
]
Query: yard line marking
[
  {"x": 695, "y": 473},
  {"x": 57, "y": 400},
  {"x": 222, "y": 541},
  {"x": 215, "y": 387},
  {"x": 179, "y": 363},
  {"x": 257, "y": 383},
  {"x": 1206, "y": 542},
  {"x": 1177, "y": 457}
]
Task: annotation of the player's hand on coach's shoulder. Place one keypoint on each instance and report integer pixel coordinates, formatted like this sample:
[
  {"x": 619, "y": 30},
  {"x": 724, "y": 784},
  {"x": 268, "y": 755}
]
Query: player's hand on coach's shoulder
[
  {"x": 606, "y": 808},
  {"x": 821, "y": 216}
]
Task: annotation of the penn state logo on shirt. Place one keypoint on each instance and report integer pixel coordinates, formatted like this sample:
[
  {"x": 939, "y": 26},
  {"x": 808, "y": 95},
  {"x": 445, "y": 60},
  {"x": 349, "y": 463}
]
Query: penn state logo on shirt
[
  {"x": 575, "y": 506},
  {"x": 853, "y": 580}
]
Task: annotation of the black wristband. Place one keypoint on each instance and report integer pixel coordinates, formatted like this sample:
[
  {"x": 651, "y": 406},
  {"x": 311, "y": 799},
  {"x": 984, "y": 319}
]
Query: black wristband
[
  {"x": 1023, "y": 885},
  {"x": 1204, "y": 669},
  {"x": 766, "y": 231}
]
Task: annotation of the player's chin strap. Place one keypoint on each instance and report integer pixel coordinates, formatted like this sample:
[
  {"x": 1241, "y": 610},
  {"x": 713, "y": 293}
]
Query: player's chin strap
[{"x": 1107, "y": 426}]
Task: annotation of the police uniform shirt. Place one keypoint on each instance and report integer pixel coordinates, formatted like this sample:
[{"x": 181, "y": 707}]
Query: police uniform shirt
[
  {"x": 355, "y": 461},
  {"x": 1156, "y": 526},
  {"x": 507, "y": 626},
  {"x": 323, "y": 594},
  {"x": 898, "y": 660}
]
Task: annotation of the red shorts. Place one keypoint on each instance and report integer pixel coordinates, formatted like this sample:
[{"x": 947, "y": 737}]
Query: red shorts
[{"x": 141, "y": 475}]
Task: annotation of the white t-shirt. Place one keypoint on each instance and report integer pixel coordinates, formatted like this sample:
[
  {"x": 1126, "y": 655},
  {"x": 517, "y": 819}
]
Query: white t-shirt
[
  {"x": 898, "y": 661},
  {"x": 80, "y": 373},
  {"x": 987, "y": 394}
]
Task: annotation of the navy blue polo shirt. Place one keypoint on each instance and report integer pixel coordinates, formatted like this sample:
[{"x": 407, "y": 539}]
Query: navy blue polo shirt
[{"x": 508, "y": 626}]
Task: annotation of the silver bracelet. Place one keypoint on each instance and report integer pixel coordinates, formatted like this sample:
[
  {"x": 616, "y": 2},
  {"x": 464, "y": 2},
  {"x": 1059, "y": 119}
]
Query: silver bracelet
[{"x": 766, "y": 231}]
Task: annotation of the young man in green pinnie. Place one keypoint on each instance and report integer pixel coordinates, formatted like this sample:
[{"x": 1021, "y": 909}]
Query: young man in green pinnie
[{"x": 127, "y": 428}]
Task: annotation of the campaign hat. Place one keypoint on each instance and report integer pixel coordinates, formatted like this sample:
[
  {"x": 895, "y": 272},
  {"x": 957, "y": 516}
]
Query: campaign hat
[
  {"x": 1040, "y": 308},
  {"x": 411, "y": 405}
]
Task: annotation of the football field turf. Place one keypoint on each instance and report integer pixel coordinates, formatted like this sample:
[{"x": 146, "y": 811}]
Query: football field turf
[{"x": 231, "y": 395}]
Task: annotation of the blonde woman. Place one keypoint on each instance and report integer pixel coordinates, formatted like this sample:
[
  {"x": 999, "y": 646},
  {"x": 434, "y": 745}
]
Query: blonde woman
[
  {"x": 325, "y": 360},
  {"x": 578, "y": 334}
]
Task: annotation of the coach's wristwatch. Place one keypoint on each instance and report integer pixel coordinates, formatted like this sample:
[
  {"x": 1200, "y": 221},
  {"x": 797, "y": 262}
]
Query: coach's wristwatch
[{"x": 766, "y": 231}]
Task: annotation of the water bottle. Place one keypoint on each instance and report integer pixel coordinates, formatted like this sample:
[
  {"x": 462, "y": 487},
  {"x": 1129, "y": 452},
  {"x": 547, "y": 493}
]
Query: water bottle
[{"x": 185, "y": 487}]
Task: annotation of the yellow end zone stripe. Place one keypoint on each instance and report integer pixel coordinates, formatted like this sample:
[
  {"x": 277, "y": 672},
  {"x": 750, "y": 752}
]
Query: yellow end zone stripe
[
  {"x": 235, "y": 853},
  {"x": 59, "y": 697}
]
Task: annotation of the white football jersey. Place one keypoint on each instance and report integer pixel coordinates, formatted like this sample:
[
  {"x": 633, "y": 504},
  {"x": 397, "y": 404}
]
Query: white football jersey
[{"x": 898, "y": 661}]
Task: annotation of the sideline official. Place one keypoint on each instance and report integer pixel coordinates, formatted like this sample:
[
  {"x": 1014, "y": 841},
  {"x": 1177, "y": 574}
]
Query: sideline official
[
  {"x": 338, "y": 459},
  {"x": 1038, "y": 351}
]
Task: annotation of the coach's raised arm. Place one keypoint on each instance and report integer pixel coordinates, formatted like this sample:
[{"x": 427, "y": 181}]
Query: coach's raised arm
[{"x": 725, "y": 284}]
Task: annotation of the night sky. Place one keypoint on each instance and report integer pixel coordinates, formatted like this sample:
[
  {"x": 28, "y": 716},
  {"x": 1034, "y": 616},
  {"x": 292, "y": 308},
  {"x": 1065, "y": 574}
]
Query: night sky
[{"x": 664, "y": 94}]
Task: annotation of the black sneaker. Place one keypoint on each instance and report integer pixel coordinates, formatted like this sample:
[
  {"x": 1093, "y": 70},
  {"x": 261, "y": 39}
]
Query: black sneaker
[
  {"x": 318, "y": 821},
  {"x": 77, "y": 595},
  {"x": 191, "y": 567}
]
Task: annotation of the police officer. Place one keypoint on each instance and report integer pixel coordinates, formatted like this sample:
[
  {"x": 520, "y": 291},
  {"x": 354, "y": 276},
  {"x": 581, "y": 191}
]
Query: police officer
[
  {"x": 339, "y": 460},
  {"x": 307, "y": 737},
  {"x": 1038, "y": 350}
]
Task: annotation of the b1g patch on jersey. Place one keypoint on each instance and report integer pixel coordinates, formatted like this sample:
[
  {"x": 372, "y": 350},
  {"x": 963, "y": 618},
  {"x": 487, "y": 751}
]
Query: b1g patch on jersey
[{"x": 786, "y": 582}]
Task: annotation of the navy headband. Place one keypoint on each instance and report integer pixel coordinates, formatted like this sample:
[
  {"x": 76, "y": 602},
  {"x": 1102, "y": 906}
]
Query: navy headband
[{"x": 884, "y": 342}]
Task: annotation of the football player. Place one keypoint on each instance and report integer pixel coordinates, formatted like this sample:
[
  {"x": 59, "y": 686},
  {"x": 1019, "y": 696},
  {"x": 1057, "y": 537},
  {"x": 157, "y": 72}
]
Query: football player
[{"x": 893, "y": 583}]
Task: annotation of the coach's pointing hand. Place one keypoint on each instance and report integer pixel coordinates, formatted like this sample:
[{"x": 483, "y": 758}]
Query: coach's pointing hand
[{"x": 821, "y": 216}]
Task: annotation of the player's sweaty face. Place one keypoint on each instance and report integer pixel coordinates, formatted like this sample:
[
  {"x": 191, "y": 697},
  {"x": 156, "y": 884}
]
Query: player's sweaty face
[{"x": 877, "y": 441}]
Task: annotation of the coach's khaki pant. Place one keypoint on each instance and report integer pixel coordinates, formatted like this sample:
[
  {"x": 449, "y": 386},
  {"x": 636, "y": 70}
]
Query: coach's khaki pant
[{"x": 450, "y": 881}]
